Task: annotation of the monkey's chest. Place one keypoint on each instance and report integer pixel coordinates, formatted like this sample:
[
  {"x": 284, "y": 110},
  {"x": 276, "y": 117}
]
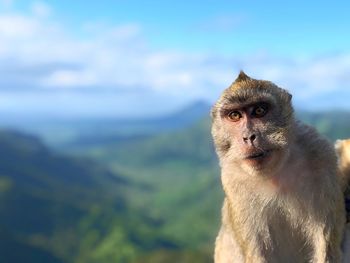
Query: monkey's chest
[
  {"x": 288, "y": 242},
  {"x": 280, "y": 230}
]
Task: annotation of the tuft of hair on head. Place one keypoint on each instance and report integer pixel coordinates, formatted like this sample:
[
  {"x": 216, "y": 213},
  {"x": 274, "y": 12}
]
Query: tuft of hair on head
[{"x": 242, "y": 77}]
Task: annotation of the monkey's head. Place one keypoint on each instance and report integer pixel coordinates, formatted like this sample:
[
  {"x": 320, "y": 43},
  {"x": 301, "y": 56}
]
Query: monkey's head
[{"x": 251, "y": 125}]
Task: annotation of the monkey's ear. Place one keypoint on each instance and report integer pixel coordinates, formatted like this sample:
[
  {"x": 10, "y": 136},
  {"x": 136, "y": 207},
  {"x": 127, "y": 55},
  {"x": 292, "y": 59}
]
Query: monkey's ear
[{"x": 242, "y": 77}]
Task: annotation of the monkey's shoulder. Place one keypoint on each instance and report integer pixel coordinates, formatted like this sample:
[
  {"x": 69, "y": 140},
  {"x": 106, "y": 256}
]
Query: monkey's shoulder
[{"x": 316, "y": 148}]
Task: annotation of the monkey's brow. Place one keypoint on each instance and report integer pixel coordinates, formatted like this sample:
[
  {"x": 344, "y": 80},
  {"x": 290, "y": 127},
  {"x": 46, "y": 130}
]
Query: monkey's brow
[
  {"x": 237, "y": 99},
  {"x": 231, "y": 107},
  {"x": 243, "y": 101}
]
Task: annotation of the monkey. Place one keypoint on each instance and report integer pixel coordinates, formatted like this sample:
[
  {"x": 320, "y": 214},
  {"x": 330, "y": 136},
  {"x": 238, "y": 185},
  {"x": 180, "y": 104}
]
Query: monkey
[
  {"x": 343, "y": 151},
  {"x": 283, "y": 198},
  {"x": 342, "y": 148}
]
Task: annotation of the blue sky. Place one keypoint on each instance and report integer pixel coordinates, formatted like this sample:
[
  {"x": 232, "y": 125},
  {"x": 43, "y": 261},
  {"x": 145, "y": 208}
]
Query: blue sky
[
  {"x": 113, "y": 58},
  {"x": 227, "y": 27}
]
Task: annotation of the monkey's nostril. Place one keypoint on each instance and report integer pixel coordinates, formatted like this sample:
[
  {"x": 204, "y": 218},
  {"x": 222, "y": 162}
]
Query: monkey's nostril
[{"x": 250, "y": 138}]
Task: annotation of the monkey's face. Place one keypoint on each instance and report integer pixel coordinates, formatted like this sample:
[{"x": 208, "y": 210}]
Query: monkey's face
[{"x": 251, "y": 124}]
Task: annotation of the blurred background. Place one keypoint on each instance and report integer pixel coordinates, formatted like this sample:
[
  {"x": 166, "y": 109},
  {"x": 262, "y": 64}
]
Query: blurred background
[{"x": 105, "y": 147}]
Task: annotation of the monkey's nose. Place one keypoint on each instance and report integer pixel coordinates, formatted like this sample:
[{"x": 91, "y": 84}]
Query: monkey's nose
[{"x": 250, "y": 138}]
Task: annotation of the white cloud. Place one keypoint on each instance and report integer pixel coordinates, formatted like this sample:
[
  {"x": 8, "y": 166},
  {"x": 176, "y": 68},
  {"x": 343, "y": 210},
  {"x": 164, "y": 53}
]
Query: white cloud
[
  {"x": 17, "y": 27},
  {"x": 305, "y": 78},
  {"x": 119, "y": 57},
  {"x": 69, "y": 78}
]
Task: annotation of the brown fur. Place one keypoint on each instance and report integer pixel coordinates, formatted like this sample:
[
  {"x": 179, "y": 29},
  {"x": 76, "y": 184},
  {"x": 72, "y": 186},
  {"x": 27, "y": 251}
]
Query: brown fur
[
  {"x": 343, "y": 150},
  {"x": 286, "y": 206}
]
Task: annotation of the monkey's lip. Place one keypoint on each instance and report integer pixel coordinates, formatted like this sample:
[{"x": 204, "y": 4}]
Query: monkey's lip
[{"x": 258, "y": 155}]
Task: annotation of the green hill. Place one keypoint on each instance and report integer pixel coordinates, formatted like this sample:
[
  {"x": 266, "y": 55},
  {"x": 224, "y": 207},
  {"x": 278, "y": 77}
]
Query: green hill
[
  {"x": 64, "y": 209},
  {"x": 333, "y": 124},
  {"x": 181, "y": 167},
  {"x": 45, "y": 198}
]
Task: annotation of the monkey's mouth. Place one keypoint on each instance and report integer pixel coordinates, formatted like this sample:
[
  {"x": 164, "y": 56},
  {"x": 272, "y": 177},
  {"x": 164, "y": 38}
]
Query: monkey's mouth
[{"x": 258, "y": 155}]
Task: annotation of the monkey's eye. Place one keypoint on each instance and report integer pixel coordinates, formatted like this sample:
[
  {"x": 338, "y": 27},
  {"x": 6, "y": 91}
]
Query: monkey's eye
[
  {"x": 260, "y": 111},
  {"x": 234, "y": 115}
]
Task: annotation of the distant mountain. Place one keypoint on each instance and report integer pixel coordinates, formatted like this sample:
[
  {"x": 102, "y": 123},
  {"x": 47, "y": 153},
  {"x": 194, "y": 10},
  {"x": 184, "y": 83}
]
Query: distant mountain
[
  {"x": 58, "y": 132},
  {"x": 110, "y": 131},
  {"x": 186, "y": 116}
]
